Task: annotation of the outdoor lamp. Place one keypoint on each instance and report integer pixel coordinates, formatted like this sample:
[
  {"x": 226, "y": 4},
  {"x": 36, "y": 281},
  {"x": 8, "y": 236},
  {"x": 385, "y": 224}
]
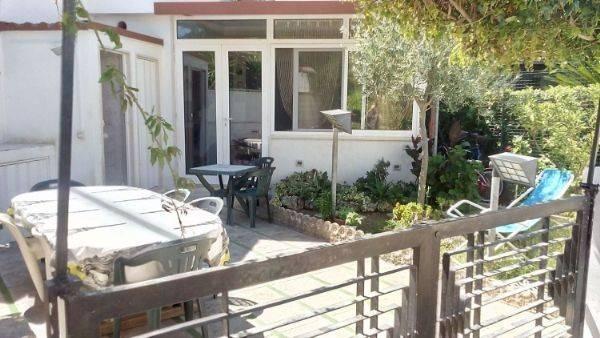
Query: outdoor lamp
[
  {"x": 511, "y": 167},
  {"x": 340, "y": 120}
]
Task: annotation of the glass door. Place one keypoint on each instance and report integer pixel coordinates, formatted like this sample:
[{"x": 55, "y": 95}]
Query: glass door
[
  {"x": 243, "y": 105},
  {"x": 200, "y": 108}
]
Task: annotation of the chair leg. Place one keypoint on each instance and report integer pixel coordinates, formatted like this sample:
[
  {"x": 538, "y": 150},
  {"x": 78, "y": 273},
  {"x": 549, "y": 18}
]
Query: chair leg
[
  {"x": 268, "y": 209},
  {"x": 252, "y": 201},
  {"x": 188, "y": 310},
  {"x": 154, "y": 318},
  {"x": 117, "y": 328}
]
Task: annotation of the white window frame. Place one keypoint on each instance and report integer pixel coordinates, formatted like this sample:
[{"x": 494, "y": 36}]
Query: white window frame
[{"x": 270, "y": 44}]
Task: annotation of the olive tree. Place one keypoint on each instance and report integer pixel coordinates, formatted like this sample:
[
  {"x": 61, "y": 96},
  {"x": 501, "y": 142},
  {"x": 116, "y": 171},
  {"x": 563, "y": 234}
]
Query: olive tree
[{"x": 390, "y": 63}]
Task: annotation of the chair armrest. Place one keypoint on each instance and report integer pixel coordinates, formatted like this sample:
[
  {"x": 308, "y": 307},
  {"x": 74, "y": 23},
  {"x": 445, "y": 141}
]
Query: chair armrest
[
  {"x": 185, "y": 192},
  {"x": 210, "y": 204},
  {"x": 520, "y": 198},
  {"x": 455, "y": 213}
]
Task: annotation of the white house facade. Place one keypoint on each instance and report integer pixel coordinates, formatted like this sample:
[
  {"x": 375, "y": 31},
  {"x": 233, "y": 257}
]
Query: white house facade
[{"x": 237, "y": 79}]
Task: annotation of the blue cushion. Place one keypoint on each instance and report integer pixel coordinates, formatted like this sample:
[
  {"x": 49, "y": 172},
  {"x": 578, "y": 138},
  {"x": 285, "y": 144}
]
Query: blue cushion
[{"x": 551, "y": 185}]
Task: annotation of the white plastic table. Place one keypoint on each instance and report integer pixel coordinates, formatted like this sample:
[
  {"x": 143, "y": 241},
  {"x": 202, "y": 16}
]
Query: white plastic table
[{"x": 108, "y": 221}]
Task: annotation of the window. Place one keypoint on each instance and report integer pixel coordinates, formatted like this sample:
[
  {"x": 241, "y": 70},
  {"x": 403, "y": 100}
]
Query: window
[
  {"x": 376, "y": 112},
  {"x": 306, "y": 82},
  {"x": 308, "y": 29},
  {"x": 222, "y": 29}
]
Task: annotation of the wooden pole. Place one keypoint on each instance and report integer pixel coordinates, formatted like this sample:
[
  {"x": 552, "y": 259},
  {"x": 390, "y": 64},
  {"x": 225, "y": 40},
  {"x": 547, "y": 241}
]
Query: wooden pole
[{"x": 334, "y": 165}]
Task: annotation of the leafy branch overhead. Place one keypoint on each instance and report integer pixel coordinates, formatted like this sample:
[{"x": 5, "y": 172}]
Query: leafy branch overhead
[
  {"x": 161, "y": 152},
  {"x": 508, "y": 31}
]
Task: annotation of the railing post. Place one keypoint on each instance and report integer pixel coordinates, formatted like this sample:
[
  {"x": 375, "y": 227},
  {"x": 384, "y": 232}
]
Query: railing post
[
  {"x": 427, "y": 259},
  {"x": 545, "y": 238},
  {"x": 583, "y": 254},
  {"x": 374, "y": 289},
  {"x": 360, "y": 292}
]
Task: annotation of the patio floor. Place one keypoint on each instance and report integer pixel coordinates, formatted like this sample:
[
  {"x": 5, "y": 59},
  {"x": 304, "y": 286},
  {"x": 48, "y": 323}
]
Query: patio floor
[{"x": 21, "y": 317}]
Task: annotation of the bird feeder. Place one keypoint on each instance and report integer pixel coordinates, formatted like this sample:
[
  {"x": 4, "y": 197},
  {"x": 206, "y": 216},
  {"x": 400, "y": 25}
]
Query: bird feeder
[{"x": 341, "y": 121}]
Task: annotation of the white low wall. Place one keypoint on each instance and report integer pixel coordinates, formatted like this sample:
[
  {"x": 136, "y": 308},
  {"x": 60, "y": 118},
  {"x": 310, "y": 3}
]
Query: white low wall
[{"x": 357, "y": 154}]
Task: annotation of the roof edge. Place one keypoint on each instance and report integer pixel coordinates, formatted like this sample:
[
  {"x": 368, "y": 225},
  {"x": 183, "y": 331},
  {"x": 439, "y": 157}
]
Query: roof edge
[
  {"x": 56, "y": 26},
  {"x": 295, "y": 7}
]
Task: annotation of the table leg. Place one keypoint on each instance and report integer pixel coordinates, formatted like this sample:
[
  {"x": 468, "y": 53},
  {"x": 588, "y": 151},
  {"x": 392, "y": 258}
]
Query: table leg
[
  {"x": 230, "y": 200},
  {"x": 207, "y": 185},
  {"x": 221, "y": 181}
]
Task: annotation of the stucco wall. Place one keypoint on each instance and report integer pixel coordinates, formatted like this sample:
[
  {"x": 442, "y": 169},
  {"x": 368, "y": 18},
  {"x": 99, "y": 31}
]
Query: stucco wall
[{"x": 356, "y": 155}]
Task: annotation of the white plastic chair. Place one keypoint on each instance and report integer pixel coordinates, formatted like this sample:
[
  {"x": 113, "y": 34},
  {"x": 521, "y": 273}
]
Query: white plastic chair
[
  {"x": 29, "y": 250},
  {"x": 211, "y": 204},
  {"x": 177, "y": 194}
]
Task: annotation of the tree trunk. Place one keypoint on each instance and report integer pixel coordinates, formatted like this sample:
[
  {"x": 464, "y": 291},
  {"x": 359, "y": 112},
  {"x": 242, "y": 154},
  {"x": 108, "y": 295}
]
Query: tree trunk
[{"x": 424, "y": 151}]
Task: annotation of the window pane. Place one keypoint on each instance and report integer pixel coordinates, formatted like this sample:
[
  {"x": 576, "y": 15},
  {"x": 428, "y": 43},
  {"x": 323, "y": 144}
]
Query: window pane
[
  {"x": 385, "y": 113},
  {"x": 354, "y": 96},
  {"x": 353, "y": 23},
  {"x": 308, "y": 29},
  {"x": 245, "y": 106},
  {"x": 284, "y": 88},
  {"x": 319, "y": 87},
  {"x": 221, "y": 29},
  {"x": 199, "y": 109}
]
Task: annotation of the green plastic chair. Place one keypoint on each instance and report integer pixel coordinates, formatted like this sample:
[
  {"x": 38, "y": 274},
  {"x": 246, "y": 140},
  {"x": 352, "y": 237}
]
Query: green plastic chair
[
  {"x": 176, "y": 257},
  {"x": 264, "y": 162},
  {"x": 255, "y": 187}
]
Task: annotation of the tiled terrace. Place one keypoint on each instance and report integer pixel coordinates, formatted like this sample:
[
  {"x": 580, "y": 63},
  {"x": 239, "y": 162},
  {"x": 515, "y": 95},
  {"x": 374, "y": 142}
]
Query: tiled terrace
[{"x": 20, "y": 316}]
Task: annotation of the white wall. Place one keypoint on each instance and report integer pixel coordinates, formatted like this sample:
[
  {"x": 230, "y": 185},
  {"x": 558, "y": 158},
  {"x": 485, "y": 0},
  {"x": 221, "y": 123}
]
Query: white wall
[
  {"x": 29, "y": 11},
  {"x": 29, "y": 78},
  {"x": 356, "y": 155}
]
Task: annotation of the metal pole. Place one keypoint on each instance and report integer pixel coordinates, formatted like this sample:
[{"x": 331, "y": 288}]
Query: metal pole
[
  {"x": 494, "y": 200},
  {"x": 334, "y": 158},
  {"x": 64, "y": 143},
  {"x": 585, "y": 237}
]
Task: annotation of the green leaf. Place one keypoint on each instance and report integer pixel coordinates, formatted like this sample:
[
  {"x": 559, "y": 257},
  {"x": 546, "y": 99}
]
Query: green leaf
[{"x": 114, "y": 37}]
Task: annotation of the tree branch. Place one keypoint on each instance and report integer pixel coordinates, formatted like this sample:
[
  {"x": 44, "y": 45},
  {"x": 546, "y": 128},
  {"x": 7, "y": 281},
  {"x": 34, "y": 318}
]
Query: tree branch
[{"x": 461, "y": 10}]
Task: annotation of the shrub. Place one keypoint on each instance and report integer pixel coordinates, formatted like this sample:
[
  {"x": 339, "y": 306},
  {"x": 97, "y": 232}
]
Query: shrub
[
  {"x": 308, "y": 185},
  {"x": 353, "y": 219},
  {"x": 324, "y": 206},
  {"x": 452, "y": 178},
  {"x": 405, "y": 215},
  {"x": 375, "y": 186},
  {"x": 558, "y": 124}
]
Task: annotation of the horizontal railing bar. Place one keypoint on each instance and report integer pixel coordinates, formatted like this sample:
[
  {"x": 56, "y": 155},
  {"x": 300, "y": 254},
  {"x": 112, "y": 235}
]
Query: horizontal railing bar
[
  {"x": 540, "y": 328},
  {"x": 338, "y": 325},
  {"x": 507, "y": 282},
  {"x": 518, "y": 324},
  {"x": 121, "y": 300},
  {"x": 511, "y": 253},
  {"x": 505, "y": 316},
  {"x": 298, "y": 318},
  {"x": 507, "y": 268},
  {"x": 494, "y": 219},
  {"x": 166, "y": 331},
  {"x": 314, "y": 292},
  {"x": 220, "y": 316},
  {"x": 506, "y": 240}
]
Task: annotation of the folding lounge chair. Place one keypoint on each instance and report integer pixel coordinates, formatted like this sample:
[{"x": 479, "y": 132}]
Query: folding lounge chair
[{"x": 551, "y": 185}]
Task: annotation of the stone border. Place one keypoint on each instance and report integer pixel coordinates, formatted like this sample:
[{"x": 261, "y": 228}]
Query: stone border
[{"x": 313, "y": 226}]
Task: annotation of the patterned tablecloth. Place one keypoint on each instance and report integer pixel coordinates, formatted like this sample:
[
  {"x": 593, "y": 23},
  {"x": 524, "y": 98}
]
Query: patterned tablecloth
[{"x": 110, "y": 221}]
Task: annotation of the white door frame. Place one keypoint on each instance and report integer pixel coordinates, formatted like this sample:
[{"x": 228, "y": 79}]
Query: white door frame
[
  {"x": 221, "y": 49},
  {"x": 226, "y": 48}
]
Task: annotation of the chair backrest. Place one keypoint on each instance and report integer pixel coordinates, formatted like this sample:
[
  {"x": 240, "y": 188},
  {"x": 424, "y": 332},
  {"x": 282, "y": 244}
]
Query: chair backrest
[
  {"x": 264, "y": 162},
  {"x": 31, "y": 262},
  {"x": 211, "y": 204},
  {"x": 180, "y": 195},
  {"x": 169, "y": 259},
  {"x": 52, "y": 184},
  {"x": 552, "y": 184},
  {"x": 261, "y": 180}
]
